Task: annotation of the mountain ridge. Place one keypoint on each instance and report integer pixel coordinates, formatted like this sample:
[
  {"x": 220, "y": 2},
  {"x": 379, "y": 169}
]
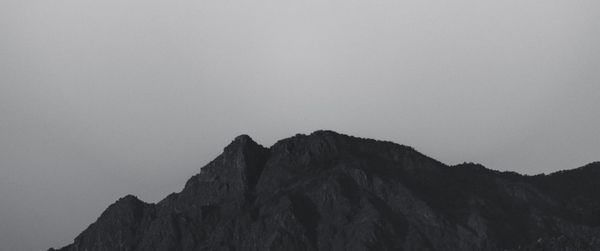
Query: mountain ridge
[{"x": 329, "y": 191}]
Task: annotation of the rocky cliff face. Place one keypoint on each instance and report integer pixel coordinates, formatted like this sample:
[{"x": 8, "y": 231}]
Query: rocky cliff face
[{"x": 327, "y": 191}]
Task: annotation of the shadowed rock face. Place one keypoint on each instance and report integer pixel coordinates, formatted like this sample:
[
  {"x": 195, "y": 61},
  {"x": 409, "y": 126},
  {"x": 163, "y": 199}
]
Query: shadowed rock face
[{"x": 327, "y": 191}]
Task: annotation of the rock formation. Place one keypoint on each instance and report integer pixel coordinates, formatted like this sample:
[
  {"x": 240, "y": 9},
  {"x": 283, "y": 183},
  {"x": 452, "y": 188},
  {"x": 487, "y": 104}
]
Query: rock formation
[{"x": 327, "y": 191}]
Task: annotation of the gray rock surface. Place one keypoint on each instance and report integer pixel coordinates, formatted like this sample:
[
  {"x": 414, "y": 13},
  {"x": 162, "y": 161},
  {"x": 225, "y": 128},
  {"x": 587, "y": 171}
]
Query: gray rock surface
[{"x": 327, "y": 191}]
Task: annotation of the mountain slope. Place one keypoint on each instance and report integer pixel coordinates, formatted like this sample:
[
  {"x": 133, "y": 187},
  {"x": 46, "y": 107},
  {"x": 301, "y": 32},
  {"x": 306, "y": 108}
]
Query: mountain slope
[{"x": 327, "y": 191}]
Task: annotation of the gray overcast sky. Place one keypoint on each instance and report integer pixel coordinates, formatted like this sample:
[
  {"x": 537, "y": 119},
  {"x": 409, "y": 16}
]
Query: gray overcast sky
[{"x": 99, "y": 99}]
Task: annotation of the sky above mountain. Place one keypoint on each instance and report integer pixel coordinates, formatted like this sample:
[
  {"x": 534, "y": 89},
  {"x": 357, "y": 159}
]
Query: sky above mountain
[{"x": 103, "y": 98}]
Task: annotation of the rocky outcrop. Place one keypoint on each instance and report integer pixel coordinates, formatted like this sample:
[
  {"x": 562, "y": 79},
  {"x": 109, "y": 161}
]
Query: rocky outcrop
[{"x": 327, "y": 191}]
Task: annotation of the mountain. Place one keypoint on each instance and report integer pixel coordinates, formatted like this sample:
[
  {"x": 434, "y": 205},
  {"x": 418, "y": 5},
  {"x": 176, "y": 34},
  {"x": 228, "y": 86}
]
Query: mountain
[{"x": 328, "y": 191}]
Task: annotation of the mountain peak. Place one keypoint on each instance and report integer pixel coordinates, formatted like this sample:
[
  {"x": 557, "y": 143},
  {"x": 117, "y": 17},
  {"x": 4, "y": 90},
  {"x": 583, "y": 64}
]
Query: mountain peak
[
  {"x": 240, "y": 142},
  {"x": 326, "y": 133},
  {"x": 243, "y": 138},
  {"x": 129, "y": 199}
]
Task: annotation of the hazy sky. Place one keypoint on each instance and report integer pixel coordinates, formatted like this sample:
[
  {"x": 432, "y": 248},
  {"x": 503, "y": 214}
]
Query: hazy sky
[{"x": 99, "y": 99}]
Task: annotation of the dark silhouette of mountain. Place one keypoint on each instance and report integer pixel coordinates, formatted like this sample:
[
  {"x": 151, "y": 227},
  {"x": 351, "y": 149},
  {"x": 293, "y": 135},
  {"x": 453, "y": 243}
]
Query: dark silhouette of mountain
[{"x": 327, "y": 191}]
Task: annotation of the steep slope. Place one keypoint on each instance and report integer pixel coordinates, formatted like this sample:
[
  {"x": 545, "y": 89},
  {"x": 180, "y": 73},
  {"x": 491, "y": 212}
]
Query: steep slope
[{"x": 327, "y": 191}]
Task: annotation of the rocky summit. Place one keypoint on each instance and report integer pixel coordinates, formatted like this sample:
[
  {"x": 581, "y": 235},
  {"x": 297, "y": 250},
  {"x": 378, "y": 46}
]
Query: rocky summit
[{"x": 328, "y": 191}]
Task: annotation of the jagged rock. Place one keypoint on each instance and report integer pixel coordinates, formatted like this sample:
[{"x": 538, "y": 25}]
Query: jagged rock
[{"x": 327, "y": 191}]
